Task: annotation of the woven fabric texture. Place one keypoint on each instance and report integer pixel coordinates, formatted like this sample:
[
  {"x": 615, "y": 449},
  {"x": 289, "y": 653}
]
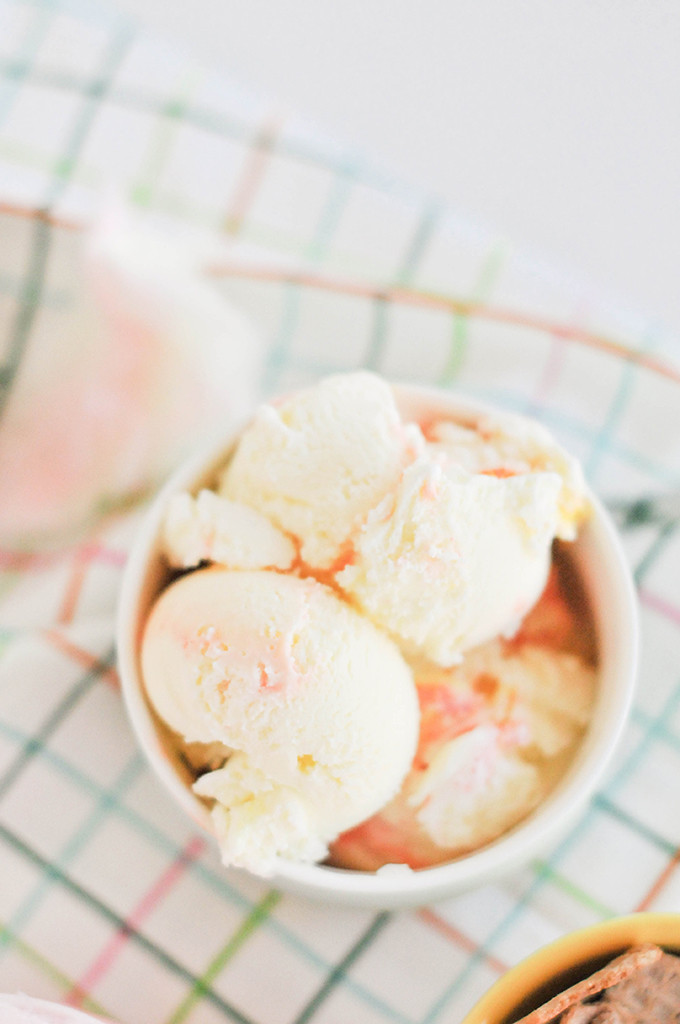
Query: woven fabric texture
[{"x": 109, "y": 899}]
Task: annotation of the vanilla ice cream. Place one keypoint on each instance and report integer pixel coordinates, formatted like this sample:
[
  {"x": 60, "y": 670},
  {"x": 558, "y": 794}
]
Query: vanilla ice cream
[
  {"x": 371, "y": 581},
  {"x": 213, "y": 529},
  {"x": 496, "y": 733},
  {"x": 316, "y": 463},
  {"x": 317, "y": 705},
  {"x": 535, "y": 705},
  {"x": 505, "y": 444},
  {"x": 442, "y": 538},
  {"x": 450, "y": 559}
]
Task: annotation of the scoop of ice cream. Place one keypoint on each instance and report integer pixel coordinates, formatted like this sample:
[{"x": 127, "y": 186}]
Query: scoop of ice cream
[
  {"x": 475, "y": 787},
  {"x": 214, "y": 529},
  {"x": 533, "y": 705},
  {"x": 317, "y": 704},
  {"x": 505, "y": 444},
  {"x": 443, "y": 543},
  {"x": 494, "y": 734},
  {"x": 547, "y": 695},
  {"x": 318, "y": 462},
  {"x": 22, "y": 1009},
  {"x": 450, "y": 559}
]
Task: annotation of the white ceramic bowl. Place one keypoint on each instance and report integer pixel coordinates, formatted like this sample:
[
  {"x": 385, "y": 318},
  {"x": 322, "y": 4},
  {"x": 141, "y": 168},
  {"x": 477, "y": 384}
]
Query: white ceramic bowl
[{"x": 603, "y": 567}]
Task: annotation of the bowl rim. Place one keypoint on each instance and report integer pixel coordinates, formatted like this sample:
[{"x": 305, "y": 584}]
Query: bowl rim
[
  {"x": 580, "y": 946},
  {"x": 392, "y": 885}
]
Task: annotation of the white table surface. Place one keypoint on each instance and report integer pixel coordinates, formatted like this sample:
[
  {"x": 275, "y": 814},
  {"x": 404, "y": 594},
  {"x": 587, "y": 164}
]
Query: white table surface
[{"x": 558, "y": 124}]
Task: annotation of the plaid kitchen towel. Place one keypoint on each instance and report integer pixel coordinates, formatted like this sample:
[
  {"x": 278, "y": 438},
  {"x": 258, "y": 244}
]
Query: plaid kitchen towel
[{"x": 109, "y": 899}]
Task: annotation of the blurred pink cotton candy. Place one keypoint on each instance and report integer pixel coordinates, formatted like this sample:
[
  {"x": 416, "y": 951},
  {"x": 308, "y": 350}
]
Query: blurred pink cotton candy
[
  {"x": 21, "y": 1009},
  {"x": 150, "y": 359}
]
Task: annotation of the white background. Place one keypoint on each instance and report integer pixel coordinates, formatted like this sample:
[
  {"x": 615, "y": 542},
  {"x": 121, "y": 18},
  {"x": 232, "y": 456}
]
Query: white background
[{"x": 556, "y": 122}]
